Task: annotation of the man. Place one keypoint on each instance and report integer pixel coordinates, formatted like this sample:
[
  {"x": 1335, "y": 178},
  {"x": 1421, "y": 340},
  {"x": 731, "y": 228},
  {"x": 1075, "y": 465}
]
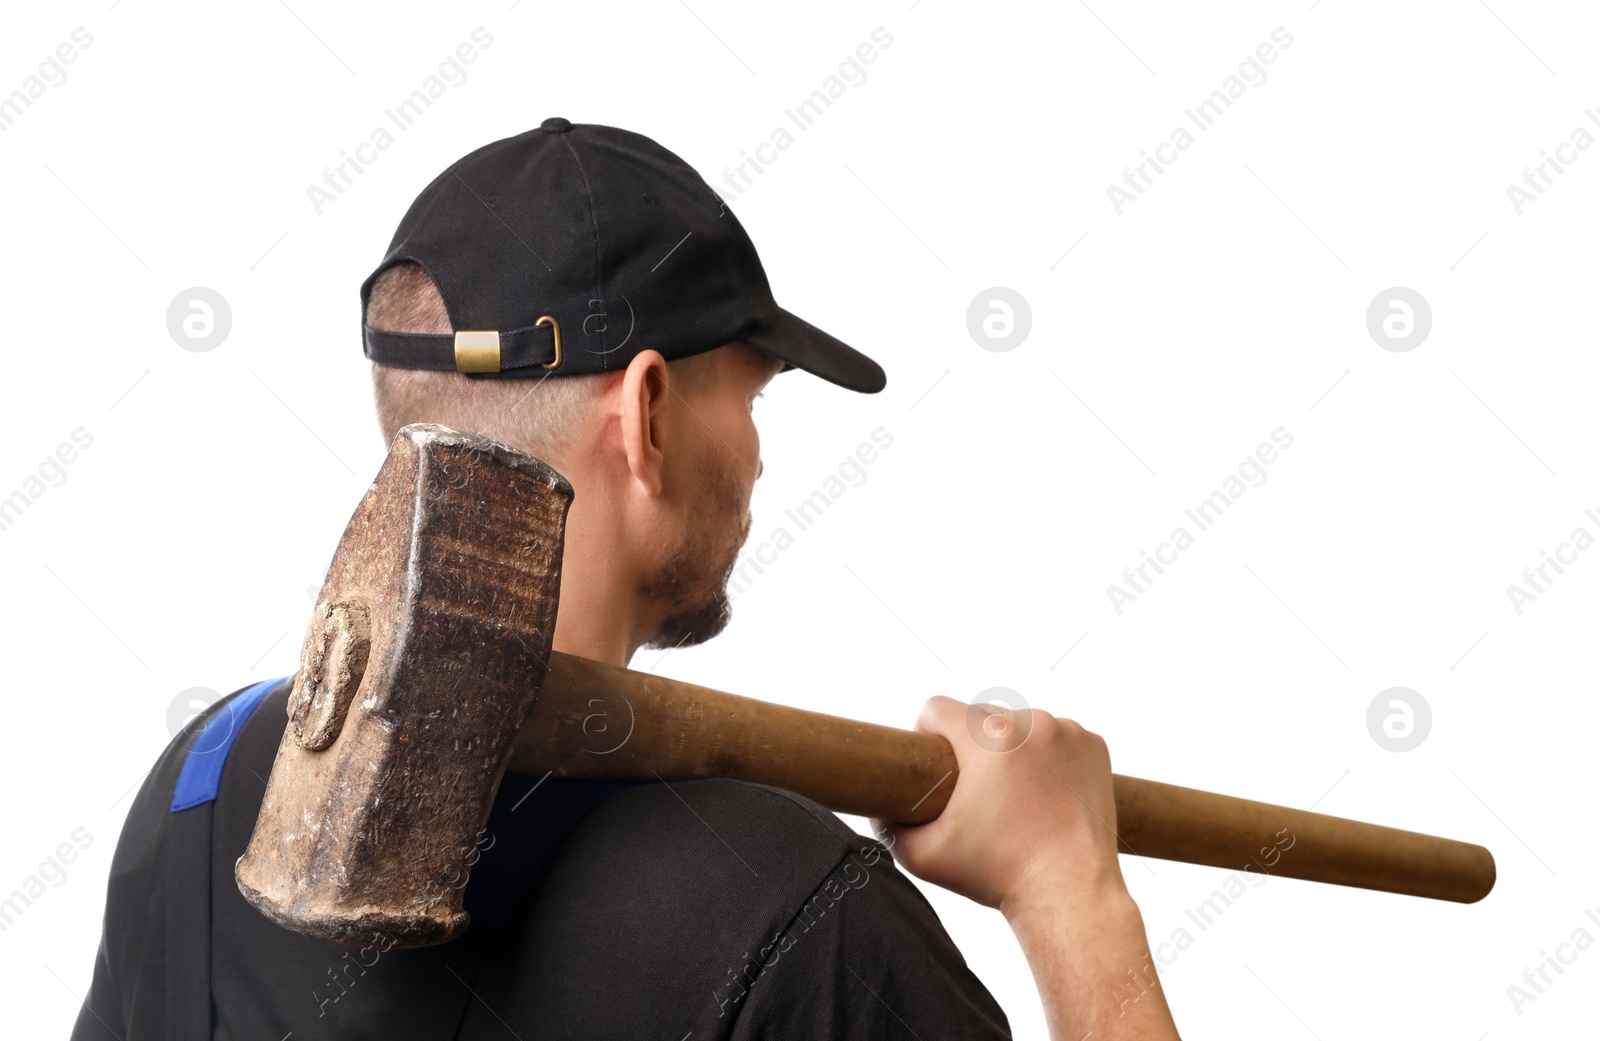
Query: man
[{"x": 580, "y": 293}]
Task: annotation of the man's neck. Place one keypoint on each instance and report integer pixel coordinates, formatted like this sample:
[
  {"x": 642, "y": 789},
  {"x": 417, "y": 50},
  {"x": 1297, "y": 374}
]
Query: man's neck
[
  {"x": 589, "y": 625},
  {"x": 599, "y": 615}
]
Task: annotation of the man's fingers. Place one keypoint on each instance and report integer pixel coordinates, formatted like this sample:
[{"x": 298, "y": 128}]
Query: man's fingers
[
  {"x": 888, "y": 833},
  {"x": 898, "y": 839},
  {"x": 941, "y": 715},
  {"x": 971, "y": 726}
]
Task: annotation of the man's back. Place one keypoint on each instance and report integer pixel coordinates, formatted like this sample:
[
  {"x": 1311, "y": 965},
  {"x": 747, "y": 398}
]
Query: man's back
[{"x": 712, "y": 908}]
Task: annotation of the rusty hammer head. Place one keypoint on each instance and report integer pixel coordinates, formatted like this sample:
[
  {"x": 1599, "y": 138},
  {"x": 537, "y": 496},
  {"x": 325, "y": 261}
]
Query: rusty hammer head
[{"x": 425, "y": 654}]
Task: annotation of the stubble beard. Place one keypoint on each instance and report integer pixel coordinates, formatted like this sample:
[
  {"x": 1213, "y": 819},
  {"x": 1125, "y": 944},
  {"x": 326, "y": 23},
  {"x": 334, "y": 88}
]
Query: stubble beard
[{"x": 693, "y": 579}]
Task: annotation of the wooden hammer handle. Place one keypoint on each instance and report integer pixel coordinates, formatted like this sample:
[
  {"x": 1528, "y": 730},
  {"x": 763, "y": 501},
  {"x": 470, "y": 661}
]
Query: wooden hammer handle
[{"x": 601, "y": 721}]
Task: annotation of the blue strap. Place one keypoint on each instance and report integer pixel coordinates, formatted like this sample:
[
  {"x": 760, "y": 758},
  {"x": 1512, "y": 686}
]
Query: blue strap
[{"x": 201, "y": 775}]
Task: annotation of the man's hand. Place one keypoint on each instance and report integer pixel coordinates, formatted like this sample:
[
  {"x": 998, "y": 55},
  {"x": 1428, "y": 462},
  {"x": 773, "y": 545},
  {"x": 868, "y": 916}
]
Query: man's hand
[
  {"x": 1032, "y": 814},
  {"x": 1031, "y": 830}
]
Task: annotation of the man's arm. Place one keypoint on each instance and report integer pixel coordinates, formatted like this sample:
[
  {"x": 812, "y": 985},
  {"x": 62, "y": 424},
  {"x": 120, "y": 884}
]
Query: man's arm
[{"x": 1031, "y": 830}]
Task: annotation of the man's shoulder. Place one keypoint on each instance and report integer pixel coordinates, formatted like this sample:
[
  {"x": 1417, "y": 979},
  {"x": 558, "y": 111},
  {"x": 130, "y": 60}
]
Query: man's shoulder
[
  {"x": 704, "y": 859},
  {"x": 188, "y": 770},
  {"x": 757, "y": 811},
  {"x": 715, "y": 831},
  {"x": 735, "y": 910}
]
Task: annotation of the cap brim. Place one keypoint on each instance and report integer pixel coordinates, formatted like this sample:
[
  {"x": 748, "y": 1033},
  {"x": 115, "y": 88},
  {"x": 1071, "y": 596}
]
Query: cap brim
[{"x": 804, "y": 346}]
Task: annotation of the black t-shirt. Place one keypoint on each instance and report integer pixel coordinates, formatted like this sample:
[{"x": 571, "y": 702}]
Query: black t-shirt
[{"x": 702, "y": 909}]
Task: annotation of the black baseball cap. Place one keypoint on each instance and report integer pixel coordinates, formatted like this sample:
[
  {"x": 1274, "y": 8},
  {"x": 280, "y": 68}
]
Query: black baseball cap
[{"x": 571, "y": 248}]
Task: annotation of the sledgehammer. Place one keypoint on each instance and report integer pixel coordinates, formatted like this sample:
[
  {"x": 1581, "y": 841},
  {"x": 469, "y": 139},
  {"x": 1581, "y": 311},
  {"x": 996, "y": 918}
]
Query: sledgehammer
[{"x": 427, "y": 672}]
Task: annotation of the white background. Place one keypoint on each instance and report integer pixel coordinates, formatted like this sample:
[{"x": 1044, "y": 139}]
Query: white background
[{"x": 1166, "y": 343}]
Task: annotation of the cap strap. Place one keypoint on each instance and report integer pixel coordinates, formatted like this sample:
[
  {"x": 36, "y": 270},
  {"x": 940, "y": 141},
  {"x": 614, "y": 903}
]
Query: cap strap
[{"x": 537, "y": 346}]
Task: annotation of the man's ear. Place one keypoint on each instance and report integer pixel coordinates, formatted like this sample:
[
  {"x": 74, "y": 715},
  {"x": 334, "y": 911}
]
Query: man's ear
[{"x": 644, "y": 399}]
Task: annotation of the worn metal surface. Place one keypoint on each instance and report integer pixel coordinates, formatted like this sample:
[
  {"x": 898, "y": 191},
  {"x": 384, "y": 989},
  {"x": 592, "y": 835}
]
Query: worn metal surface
[{"x": 424, "y": 655}]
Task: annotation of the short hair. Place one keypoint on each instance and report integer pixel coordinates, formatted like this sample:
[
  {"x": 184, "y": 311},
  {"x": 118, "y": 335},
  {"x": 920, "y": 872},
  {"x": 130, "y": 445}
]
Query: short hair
[{"x": 540, "y": 415}]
